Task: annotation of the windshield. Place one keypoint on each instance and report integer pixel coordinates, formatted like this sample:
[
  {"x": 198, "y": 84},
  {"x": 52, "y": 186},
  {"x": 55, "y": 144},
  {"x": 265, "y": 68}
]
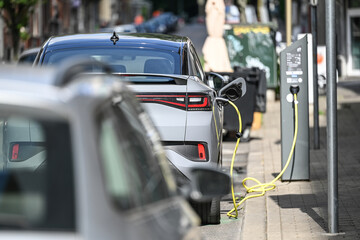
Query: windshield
[{"x": 129, "y": 60}]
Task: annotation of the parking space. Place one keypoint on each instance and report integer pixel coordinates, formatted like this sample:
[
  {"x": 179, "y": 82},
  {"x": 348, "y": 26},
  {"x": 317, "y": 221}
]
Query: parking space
[{"x": 230, "y": 228}]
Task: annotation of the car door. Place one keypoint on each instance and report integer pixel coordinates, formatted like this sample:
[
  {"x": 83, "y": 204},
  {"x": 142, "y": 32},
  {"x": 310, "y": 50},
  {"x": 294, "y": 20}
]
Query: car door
[{"x": 137, "y": 175}]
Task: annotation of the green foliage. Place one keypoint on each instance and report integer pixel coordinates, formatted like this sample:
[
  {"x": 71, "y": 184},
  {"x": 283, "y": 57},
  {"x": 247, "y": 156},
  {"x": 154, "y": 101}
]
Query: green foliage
[
  {"x": 16, "y": 12},
  {"x": 24, "y": 35},
  {"x": 16, "y": 16}
]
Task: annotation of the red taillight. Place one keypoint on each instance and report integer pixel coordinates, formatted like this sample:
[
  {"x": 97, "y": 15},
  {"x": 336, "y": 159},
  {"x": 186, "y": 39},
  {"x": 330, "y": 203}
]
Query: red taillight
[
  {"x": 15, "y": 152},
  {"x": 201, "y": 151},
  {"x": 199, "y": 102},
  {"x": 170, "y": 100}
]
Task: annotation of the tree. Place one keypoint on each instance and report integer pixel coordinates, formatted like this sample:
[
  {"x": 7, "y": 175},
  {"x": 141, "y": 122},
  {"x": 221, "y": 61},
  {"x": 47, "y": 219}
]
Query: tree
[{"x": 16, "y": 16}]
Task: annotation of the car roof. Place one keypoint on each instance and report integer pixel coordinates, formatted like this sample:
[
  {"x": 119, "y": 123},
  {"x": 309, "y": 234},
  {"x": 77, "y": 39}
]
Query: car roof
[
  {"x": 28, "y": 86},
  {"x": 30, "y": 51},
  {"x": 151, "y": 40}
]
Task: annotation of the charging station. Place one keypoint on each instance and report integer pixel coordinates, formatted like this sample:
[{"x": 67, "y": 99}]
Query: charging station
[{"x": 294, "y": 73}]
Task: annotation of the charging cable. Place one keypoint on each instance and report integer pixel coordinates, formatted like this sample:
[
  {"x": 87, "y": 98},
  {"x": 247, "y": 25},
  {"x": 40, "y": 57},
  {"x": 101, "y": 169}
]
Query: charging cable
[{"x": 260, "y": 188}]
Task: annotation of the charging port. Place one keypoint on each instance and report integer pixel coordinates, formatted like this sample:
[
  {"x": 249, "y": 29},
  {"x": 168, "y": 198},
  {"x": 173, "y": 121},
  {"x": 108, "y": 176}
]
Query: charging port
[{"x": 294, "y": 89}]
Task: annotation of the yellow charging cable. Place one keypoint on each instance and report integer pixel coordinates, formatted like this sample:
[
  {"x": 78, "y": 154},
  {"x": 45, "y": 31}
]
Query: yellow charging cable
[{"x": 259, "y": 188}]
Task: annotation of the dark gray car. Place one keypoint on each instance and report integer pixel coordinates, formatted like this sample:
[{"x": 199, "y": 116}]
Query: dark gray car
[{"x": 82, "y": 160}]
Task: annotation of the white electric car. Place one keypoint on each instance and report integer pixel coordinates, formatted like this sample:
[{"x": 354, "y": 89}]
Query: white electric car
[{"x": 168, "y": 79}]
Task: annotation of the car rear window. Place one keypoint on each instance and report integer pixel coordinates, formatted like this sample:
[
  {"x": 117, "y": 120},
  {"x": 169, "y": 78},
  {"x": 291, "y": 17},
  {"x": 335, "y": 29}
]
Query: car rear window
[
  {"x": 36, "y": 175},
  {"x": 129, "y": 60}
]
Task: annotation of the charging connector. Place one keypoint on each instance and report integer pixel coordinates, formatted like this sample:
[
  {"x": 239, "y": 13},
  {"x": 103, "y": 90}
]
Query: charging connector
[{"x": 294, "y": 89}]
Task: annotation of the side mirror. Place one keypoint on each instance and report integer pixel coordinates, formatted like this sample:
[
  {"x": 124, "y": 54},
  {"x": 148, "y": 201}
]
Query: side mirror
[
  {"x": 215, "y": 80},
  {"x": 209, "y": 183},
  {"x": 233, "y": 90}
]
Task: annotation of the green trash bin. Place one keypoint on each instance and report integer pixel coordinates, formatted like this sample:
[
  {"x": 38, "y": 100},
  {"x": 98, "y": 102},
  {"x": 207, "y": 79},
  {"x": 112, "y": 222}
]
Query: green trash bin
[{"x": 253, "y": 45}]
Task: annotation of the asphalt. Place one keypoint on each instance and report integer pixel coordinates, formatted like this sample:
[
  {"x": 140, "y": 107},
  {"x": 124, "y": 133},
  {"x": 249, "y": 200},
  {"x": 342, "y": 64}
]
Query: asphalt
[{"x": 298, "y": 210}]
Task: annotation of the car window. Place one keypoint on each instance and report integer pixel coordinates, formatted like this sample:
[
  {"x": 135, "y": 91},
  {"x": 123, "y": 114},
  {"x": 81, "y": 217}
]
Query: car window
[
  {"x": 133, "y": 176},
  {"x": 185, "y": 61},
  {"x": 129, "y": 60},
  {"x": 192, "y": 65},
  {"x": 36, "y": 175},
  {"x": 198, "y": 68},
  {"x": 28, "y": 58}
]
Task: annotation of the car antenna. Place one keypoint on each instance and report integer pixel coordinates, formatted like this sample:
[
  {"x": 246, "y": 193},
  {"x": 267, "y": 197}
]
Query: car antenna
[{"x": 114, "y": 38}]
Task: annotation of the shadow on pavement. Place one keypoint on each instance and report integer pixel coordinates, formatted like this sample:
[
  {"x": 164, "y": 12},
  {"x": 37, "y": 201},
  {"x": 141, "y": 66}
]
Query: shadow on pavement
[{"x": 301, "y": 201}]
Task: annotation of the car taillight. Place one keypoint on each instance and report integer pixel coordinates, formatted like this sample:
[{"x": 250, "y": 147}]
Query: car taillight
[
  {"x": 199, "y": 103},
  {"x": 15, "y": 152},
  {"x": 201, "y": 151},
  {"x": 21, "y": 151},
  {"x": 193, "y": 102}
]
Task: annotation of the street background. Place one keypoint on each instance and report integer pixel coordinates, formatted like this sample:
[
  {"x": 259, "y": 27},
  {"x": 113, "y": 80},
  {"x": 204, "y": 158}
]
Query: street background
[{"x": 298, "y": 209}]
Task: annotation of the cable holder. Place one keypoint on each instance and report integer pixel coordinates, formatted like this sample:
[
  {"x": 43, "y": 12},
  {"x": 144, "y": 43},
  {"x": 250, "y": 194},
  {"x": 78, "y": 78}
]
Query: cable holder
[{"x": 238, "y": 134}]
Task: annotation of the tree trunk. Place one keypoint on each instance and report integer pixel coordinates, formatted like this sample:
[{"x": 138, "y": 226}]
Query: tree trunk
[{"x": 15, "y": 36}]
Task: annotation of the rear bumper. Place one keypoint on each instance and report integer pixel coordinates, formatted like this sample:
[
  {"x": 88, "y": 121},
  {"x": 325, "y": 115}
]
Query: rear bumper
[{"x": 183, "y": 165}]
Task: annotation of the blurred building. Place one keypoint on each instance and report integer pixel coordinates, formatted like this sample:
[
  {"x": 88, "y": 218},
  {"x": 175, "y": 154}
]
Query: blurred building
[
  {"x": 347, "y": 26},
  {"x": 347, "y": 35},
  {"x": 56, "y": 17}
]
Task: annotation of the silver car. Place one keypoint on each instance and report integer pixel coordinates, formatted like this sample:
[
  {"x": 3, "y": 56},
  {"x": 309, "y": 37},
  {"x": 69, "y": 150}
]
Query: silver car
[
  {"x": 168, "y": 79},
  {"x": 81, "y": 160}
]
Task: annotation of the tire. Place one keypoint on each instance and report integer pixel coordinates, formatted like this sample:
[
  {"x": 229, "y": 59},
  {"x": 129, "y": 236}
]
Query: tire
[{"x": 209, "y": 212}]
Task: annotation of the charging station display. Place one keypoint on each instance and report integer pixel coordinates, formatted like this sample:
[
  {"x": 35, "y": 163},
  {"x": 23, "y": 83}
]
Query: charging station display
[{"x": 293, "y": 75}]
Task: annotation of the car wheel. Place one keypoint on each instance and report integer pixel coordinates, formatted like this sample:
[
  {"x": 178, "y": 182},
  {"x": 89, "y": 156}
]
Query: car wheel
[{"x": 209, "y": 212}]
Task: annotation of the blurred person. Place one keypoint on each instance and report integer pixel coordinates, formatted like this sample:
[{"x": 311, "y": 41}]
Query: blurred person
[
  {"x": 139, "y": 19},
  {"x": 214, "y": 50},
  {"x": 156, "y": 13},
  {"x": 232, "y": 13}
]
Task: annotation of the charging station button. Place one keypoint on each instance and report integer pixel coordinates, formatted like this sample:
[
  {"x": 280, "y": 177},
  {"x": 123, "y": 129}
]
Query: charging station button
[{"x": 290, "y": 98}]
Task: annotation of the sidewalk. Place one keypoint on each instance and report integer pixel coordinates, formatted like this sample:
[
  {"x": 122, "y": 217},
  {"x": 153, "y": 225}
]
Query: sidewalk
[{"x": 298, "y": 210}]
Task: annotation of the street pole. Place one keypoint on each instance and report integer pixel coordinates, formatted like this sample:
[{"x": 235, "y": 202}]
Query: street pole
[
  {"x": 332, "y": 147},
  {"x": 288, "y": 22},
  {"x": 313, "y": 4}
]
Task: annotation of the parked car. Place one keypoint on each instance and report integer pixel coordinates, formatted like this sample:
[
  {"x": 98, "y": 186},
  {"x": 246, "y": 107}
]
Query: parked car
[
  {"x": 101, "y": 172},
  {"x": 164, "y": 23},
  {"x": 168, "y": 79},
  {"x": 130, "y": 28},
  {"x": 28, "y": 56}
]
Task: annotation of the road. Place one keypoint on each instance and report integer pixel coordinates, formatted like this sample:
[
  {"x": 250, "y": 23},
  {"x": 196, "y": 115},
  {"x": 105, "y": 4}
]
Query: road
[
  {"x": 197, "y": 33},
  {"x": 230, "y": 228}
]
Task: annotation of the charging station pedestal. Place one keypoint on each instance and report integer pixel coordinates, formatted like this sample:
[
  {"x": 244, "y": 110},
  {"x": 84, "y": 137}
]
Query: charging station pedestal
[{"x": 294, "y": 71}]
